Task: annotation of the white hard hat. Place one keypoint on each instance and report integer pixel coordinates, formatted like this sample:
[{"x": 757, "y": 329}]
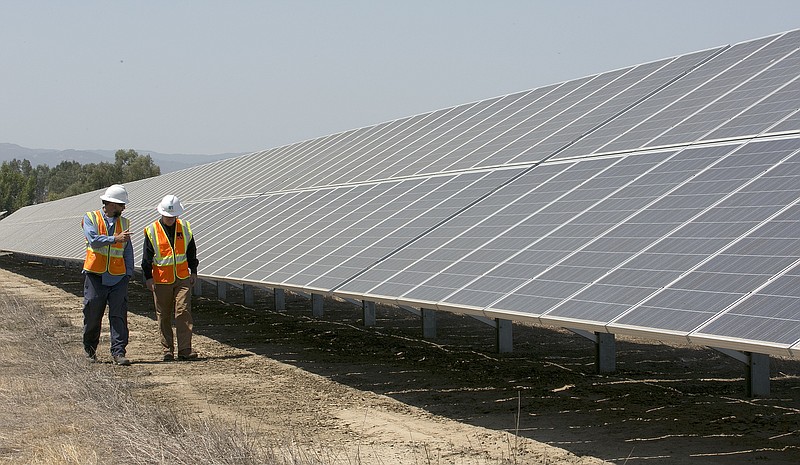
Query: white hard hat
[
  {"x": 170, "y": 206},
  {"x": 116, "y": 194}
]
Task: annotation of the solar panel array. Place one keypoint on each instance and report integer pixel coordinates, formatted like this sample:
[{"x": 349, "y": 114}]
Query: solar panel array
[{"x": 657, "y": 200}]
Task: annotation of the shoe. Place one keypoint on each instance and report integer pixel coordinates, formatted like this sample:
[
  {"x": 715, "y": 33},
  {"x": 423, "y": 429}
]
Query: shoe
[
  {"x": 121, "y": 360},
  {"x": 169, "y": 357},
  {"x": 91, "y": 358},
  {"x": 190, "y": 356}
]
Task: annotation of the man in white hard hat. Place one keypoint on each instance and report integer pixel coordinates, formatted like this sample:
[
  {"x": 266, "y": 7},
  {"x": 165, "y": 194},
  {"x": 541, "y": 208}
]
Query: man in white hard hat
[
  {"x": 169, "y": 264},
  {"x": 107, "y": 268}
]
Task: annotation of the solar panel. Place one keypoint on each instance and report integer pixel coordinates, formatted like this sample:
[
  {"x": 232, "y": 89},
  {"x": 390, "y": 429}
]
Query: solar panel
[
  {"x": 790, "y": 124},
  {"x": 760, "y": 118},
  {"x": 324, "y": 265},
  {"x": 576, "y": 250},
  {"x": 511, "y": 112},
  {"x": 757, "y": 229},
  {"x": 623, "y": 94},
  {"x": 366, "y": 221},
  {"x": 671, "y": 105},
  {"x": 486, "y": 144},
  {"x": 682, "y": 232},
  {"x": 420, "y": 147},
  {"x": 533, "y": 206},
  {"x": 768, "y": 315},
  {"x": 779, "y": 71},
  {"x": 271, "y": 223},
  {"x": 559, "y": 115}
]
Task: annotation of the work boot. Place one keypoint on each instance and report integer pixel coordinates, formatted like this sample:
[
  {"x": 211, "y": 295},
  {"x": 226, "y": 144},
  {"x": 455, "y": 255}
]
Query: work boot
[
  {"x": 121, "y": 360},
  {"x": 169, "y": 357},
  {"x": 190, "y": 356}
]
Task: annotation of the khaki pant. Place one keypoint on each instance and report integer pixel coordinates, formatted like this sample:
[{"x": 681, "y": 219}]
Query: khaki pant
[{"x": 174, "y": 303}]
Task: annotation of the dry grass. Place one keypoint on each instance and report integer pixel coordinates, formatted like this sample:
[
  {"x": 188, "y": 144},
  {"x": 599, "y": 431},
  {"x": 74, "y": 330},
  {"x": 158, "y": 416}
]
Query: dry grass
[{"x": 57, "y": 408}]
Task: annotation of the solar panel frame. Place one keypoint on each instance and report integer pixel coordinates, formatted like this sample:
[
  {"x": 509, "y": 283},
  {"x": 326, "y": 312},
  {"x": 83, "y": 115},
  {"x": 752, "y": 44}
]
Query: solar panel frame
[
  {"x": 486, "y": 146},
  {"x": 563, "y": 108},
  {"x": 429, "y": 215},
  {"x": 521, "y": 107},
  {"x": 248, "y": 219},
  {"x": 348, "y": 169},
  {"x": 671, "y": 105},
  {"x": 789, "y": 124},
  {"x": 726, "y": 108},
  {"x": 761, "y": 116}
]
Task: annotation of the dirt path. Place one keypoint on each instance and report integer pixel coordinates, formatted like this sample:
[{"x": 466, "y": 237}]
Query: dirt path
[
  {"x": 384, "y": 395},
  {"x": 277, "y": 399}
]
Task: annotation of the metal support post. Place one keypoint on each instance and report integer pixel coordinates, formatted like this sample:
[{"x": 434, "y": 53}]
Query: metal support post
[
  {"x": 505, "y": 340},
  {"x": 248, "y": 291},
  {"x": 606, "y": 353},
  {"x": 428, "y": 323},
  {"x": 757, "y": 375},
  {"x": 279, "y": 296},
  {"x": 316, "y": 305},
  {"x": 369, "y": 312}
]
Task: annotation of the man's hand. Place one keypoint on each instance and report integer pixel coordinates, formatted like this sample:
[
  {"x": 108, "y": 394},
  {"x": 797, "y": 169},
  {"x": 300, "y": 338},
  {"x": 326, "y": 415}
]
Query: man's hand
[
  {"x": 124, "y": 236},
  {"x": 192, "y": 279},
  {"x": 149, "y": 285}
]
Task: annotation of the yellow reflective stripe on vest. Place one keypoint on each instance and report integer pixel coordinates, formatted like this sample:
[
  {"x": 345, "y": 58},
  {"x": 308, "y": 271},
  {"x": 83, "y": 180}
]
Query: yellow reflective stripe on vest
[
  {"x": 109, "y": 257},
  {"x": 169, "y": 262}
]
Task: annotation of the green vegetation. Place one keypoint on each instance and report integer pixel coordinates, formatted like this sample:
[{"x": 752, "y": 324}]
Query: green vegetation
[{"x": 21, "y": 184}]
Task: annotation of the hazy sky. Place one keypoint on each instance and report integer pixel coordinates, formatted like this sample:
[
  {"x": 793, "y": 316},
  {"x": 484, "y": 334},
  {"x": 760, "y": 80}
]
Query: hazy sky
[{"x": 209, "y": 77}]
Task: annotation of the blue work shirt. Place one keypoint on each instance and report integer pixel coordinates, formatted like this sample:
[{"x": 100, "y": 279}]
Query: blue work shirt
[{"x": 98, "y": 240}]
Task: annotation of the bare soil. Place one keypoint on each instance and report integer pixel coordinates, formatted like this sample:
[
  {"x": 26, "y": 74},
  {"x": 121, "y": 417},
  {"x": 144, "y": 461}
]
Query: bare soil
[{"x": 385, "y": 395}]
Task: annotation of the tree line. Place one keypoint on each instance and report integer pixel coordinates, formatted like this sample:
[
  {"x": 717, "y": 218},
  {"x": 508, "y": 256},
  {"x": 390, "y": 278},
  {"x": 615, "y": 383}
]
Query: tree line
[{"x": 22, "y": 184}]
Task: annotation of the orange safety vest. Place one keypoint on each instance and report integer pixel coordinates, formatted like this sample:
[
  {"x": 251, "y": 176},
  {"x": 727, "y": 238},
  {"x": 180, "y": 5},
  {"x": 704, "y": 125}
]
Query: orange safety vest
[
  {"x": 109, "y": 257},
  {"x": 169, "y": 262}
]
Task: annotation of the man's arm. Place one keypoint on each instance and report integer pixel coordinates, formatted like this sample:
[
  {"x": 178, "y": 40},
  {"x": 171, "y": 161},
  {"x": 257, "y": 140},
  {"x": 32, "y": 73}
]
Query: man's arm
[
  {"x": 95, "y": 239},
  {"x": 147, "y": 258},
  {"x": 191, "y": 257}
]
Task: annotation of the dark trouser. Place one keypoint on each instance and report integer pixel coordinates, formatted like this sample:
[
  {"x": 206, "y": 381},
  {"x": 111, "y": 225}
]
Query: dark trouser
[{"x": 95, "y": 298}]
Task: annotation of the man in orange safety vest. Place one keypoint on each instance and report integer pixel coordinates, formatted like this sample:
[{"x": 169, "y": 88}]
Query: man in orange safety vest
[
  {"x": 169, "y": 265},
  {"x": 107, "y": 268}
]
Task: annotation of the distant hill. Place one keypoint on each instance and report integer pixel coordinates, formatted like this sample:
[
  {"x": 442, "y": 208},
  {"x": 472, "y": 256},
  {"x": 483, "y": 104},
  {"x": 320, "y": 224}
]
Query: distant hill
[{"x": 52, "y": 157}]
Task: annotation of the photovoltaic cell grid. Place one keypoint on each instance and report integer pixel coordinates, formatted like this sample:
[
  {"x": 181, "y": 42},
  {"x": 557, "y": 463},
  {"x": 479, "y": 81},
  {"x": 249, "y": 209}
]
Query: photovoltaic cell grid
[
  {"x": 666, "y": 108},
  {"x": 320, "y": 238},
  {"x": 663, "y": 231},
  {"x": 778, "y": 65},
  {"x": 661, "y": 242},
  {"x": 768, "y": 314},
  {"x": 630, "y": 88},
  {"x": 741, "y": 92},
  {"x": 698, "y": 220}
]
